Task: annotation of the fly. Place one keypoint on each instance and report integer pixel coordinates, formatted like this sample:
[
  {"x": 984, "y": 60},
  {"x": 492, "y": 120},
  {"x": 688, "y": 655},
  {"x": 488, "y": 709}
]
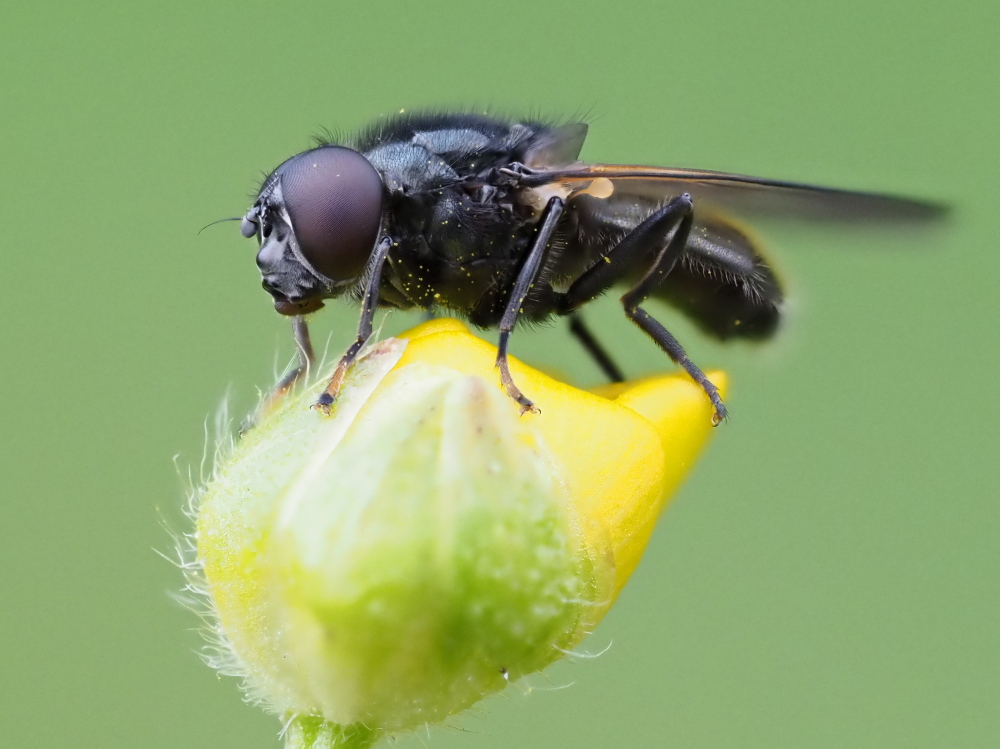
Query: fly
[{"x": 499, "y": 221}]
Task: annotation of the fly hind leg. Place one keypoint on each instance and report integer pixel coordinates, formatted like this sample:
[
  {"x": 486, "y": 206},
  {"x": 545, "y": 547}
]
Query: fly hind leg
[{"x": 667, "y": 229}]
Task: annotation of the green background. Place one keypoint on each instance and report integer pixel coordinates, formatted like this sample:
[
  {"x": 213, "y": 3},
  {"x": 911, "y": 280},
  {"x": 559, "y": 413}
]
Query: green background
[{"x": 827, "y": 577}]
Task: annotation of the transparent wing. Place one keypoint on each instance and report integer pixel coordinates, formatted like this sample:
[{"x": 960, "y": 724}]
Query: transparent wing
[{"x": 737, "y": 193}]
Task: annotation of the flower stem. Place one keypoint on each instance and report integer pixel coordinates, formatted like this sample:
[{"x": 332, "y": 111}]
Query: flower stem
[{"x": 310, "y": 732}]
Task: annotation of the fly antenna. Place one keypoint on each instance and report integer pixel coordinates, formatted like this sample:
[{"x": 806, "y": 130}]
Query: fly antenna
[{"x": 221, "y": 220}]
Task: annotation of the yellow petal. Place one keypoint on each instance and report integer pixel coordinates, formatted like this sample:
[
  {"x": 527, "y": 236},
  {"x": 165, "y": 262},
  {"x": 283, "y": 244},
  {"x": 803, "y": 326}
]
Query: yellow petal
[{"x": 681, "y": 414}]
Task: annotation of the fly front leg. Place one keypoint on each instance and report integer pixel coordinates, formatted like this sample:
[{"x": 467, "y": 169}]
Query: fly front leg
[
  {"x": 303, "y": 344},
  {"x": 368, "y": 305},
  {"x": 525, "y": 280},
  {"x": 667, "y": 230}
]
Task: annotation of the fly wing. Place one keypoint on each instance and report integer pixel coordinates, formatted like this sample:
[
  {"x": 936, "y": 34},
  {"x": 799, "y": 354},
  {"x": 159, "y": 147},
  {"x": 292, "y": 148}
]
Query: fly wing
[
  {"x": 557, "y": 146},
  {"x": 736, "y": 193}
]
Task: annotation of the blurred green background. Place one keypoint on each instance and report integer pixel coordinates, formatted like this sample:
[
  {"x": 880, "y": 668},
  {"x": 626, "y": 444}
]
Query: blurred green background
[{"x": 828, "y": 577}]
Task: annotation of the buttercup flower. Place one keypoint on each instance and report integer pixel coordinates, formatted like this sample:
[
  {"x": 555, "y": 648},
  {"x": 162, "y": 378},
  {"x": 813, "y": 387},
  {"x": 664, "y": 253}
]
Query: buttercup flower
[{"x": 397, "y": 561}]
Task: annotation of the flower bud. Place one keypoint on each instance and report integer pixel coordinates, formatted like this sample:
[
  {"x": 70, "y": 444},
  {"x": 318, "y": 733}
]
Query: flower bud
[{"x": 395, "y": 562}]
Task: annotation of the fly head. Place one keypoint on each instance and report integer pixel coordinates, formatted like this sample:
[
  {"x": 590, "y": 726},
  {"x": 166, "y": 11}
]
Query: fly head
[{"x": 317, "y": 220}]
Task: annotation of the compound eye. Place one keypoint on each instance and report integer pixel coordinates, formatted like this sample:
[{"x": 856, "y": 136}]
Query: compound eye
[
  {"x": 248, "y": 227},
  {"x": 333, "y": 196}
]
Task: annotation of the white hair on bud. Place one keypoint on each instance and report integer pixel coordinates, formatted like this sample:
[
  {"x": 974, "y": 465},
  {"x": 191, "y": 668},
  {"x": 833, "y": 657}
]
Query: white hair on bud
[
  {"x": 219, "y": 442},
  {"x": 574, "y": 654}
]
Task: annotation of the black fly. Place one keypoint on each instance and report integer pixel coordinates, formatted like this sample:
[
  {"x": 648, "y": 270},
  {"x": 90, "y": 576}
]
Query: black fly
[{"x": 500, "y": 222}]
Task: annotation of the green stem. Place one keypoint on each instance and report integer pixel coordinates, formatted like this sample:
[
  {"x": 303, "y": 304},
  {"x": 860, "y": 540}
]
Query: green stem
[{"x": 310, "y": 732}]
